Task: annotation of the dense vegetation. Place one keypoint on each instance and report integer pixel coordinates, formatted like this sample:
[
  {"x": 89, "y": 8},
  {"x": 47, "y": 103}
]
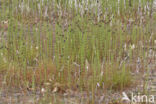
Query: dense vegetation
[{"x": 81, "y": 45}]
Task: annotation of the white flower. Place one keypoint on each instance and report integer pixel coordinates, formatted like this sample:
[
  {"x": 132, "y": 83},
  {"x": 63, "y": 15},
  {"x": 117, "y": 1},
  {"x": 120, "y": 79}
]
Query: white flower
[
  {"x": 98, "y": 85},
  {"x": 1, "y": 54},
  {"x": 68, "y": 57},
  {"x": 125, "y": 46},
  {"x": 132, "y": 46},
  {"x": 37, "y": 48},
  {"x": 43, "y": 90}
]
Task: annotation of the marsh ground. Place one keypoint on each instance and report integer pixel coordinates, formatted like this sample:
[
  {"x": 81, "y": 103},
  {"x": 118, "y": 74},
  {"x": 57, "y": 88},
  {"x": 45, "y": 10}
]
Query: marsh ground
[{"x": 76, "y": 52}]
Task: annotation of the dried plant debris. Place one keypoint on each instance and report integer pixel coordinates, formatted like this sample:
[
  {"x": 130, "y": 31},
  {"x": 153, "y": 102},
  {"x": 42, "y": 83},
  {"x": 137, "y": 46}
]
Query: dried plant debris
[{"x": 77, "y": 51}]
